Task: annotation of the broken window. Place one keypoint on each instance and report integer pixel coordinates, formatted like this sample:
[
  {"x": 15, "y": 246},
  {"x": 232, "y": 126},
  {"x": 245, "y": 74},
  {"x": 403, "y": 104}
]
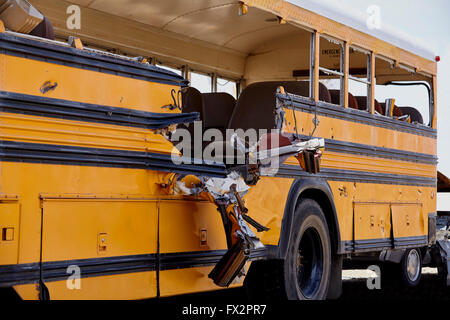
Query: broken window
[
  {"x": 331, "y": 70},
  {"x": 359, "y": 84},
  {"x": 402, "y": 93}
]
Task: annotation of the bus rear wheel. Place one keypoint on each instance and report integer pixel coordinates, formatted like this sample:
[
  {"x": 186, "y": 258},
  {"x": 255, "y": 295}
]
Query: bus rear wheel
[{"x": 308, "y": 263}]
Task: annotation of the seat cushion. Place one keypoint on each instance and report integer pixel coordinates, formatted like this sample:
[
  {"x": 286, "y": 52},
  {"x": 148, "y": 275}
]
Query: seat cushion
[
  {"x": 414, "y": 114},
  {"x": 336, "y": 99}
]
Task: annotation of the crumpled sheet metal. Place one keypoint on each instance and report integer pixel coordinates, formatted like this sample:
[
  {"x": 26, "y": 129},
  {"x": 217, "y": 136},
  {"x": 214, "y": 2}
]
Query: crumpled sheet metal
[{"x": 227, "y": 193}]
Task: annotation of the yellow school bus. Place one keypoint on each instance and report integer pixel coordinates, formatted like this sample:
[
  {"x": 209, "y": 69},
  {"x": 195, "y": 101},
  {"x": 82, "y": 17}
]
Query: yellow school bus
[{"x": 87, "y": 210}]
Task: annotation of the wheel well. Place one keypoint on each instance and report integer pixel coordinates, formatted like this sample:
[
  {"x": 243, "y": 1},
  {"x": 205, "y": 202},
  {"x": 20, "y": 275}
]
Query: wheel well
[{"x": 329, "y": 211}]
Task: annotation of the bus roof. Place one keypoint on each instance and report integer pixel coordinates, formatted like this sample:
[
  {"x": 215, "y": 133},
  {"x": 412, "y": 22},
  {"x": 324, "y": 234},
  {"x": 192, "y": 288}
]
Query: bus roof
[
  {"x": 357, "y": 20},
  {"x": 210, "y": 35}
]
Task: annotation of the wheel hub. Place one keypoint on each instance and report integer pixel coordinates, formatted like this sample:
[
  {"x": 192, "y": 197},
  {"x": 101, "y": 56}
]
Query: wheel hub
[
  {"x": 413, "y": 265},
  {"x": 309, "y": 263}
]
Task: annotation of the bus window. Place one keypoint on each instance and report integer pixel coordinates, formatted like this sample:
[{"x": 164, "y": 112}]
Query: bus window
[
  {"x": 202, "y": 82},
  {"x": 228, "y": 86},
  {"x": 359, "y": 77},
  {"x": 410, "y": 92},
  {"x": 331, "y": 70}
]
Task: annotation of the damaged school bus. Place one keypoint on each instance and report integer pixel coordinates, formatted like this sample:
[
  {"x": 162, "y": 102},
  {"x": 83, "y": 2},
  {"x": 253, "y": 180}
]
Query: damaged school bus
[{"x": 99, "y": 200}]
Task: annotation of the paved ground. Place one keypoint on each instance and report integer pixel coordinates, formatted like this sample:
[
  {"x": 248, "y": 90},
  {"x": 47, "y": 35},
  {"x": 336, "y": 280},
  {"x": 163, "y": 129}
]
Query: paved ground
[{"x": 354, "y": 288}]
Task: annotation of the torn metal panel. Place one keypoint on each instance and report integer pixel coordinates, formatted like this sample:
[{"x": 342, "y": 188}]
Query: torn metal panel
[
  {"x": 227, "y": 193},
  {"x": 92, "y": 113},
  {"x": 264, "y": 158}
]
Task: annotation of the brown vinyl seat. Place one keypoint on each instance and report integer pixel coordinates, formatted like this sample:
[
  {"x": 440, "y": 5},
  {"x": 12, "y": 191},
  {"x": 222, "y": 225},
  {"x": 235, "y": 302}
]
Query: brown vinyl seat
[
  {"x": 44, "y": 30},
  {"x": 256, "y": 104},
  {"x": 336, "y": 99},
  {"x": 362, "y": 104},
  {"x": 217, "y": 110},
  {"x": 192, "y": 101},
  {"x": 413, "y": 113},
  {"x": 397, "y": 112}
]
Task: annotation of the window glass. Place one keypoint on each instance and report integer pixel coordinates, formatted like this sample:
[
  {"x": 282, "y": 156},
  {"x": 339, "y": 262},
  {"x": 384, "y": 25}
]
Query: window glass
[
  {"x": 406, "y": 87},
  {"x": 201, "y": 82},
  {"x": 410, "y": 96},
  {"x": 228, "y": 86}
]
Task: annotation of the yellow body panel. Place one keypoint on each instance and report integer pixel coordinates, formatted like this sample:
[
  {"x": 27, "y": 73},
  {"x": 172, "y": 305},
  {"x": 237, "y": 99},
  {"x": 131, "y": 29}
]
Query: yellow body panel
[
  {"x": 356, "y": 132},
  {"x": 116, "y": 287},
  {"x": 9, "y": 231},
  {"x": 100, "y": 228},
  {"x": 33, "y": 129}
]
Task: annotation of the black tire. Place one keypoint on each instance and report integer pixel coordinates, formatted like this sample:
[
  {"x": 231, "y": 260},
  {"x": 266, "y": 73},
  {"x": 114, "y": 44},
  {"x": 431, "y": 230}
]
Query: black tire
[
  {"x": 393, "y": 274},
  {"x": 411, "y": 279},
  {"x": 305, "y": 273}
]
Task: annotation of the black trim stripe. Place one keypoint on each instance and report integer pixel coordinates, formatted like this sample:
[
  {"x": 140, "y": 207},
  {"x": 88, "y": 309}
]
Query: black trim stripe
[
  {"x": 348, "y": 114},
  {"x": 411, "y": 241},
  {"x": 54, "y": 271},
  {"x": 85, "y": 59},
  {"x": 290, "y": 171},
  {"x": 12, "y": 151},
  {"x": 65, "y": 109},
  {"x": 377, "y": 152},
  {"x": 385, "y": 244}
]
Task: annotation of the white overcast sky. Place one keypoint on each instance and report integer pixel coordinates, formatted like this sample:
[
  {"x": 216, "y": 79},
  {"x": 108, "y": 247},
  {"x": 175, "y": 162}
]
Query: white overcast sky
[{"x": 429, "y": 22}]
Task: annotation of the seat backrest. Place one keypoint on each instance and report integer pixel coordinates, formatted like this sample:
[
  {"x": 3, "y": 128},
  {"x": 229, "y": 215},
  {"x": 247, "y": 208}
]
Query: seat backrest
[
  {"x": 192, "y": 101},
  {"x": 397, "y": 112},
  {"x": 256, "y": 104},
  {"x": 217, "y": 110},
  {"x": 336, "y": 99},
  {"x": 362, "y": 104},
  {"x": 44, "y": 30},
  {"x": 414, "y": 114}
]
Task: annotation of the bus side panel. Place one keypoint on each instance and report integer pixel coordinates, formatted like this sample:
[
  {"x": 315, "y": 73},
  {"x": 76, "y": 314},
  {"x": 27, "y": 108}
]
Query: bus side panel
[
  {"x": 9, "y": 232},
  {"x": 27, "y": 76},
  {"x": 83, "y": 229},
  {"x": 139, "y": 285},
  {"x": 192, "y": 240}
]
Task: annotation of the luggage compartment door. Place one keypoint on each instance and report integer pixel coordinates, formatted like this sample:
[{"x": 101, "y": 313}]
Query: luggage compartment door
[
  {"x": 112, "y": 241},
  {"x": 409, "y": 227},
  {"x": 9, "y": 232}
]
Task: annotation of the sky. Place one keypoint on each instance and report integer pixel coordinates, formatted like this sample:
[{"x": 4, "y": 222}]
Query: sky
[{"x": 428, "y": 22}]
